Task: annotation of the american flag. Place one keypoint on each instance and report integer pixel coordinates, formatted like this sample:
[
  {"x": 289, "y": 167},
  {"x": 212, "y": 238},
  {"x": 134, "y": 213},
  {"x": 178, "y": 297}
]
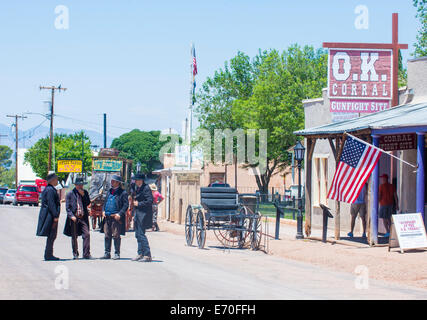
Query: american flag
[
  {"x": 193, "y": 51},
  {"x": 194, "y": 62},
  {"x": 357, "y": 161}
]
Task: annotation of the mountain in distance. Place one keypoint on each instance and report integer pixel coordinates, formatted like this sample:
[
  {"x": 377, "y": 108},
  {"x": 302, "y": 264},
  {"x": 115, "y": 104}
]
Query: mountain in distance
[{"x": 28, "y": 138}]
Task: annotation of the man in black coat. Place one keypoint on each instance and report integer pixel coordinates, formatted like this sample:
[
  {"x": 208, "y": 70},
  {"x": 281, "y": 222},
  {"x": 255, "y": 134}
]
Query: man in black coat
[
  {"x": 114, "y": 214},
  {"x": 77, "y": 223},
  {"x": 143, "y": 218},
  {"x": 49, "y": 215}
]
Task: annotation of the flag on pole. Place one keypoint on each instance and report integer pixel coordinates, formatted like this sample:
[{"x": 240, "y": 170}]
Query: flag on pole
[
  {"x": 194, "y": 73},
  {"x": 357, "y": 161}
]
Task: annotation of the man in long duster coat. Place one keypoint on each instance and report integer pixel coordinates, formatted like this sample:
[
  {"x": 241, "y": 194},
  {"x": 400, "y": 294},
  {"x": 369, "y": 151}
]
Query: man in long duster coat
[
  {"x": 77, "y": 223},
  {"x": 143, "y": 218},
  {"x": 49, "y": 215}
]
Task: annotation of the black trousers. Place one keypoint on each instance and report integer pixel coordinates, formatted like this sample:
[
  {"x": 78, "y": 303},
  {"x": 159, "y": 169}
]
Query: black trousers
[
  {"x": 80, "y": 223},
  {"x": 48, "y": 251},
  {"x": 141, "y": 238}
]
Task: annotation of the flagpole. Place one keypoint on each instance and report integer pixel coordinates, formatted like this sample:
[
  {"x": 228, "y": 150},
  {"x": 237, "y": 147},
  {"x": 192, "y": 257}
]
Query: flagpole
[
  {"x": 385, "y": 152},
  {"x": 191, "y": 105}
]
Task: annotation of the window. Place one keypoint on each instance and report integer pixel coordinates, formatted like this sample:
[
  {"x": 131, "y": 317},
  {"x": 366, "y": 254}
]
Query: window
[
  {"x": 28, "y": 189},
  {"x": 320, "y": 180}
]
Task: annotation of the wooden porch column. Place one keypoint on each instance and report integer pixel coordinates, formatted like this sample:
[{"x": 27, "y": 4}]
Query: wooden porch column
[
  {"x": 337, "y": 218},
  {"x": 420, "y": 173},
  {"x": 374, "y": 193},
  {"x": 311, "y": 142}
]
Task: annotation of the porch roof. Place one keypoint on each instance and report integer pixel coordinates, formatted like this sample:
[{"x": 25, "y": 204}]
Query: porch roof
[{"x": 404, "y": 116}]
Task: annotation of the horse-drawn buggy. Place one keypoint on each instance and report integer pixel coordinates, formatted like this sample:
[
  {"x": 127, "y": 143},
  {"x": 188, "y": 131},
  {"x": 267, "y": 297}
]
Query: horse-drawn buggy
[
  {"x": 234, "y": 218},
  {"x": 104, "y": 166}
]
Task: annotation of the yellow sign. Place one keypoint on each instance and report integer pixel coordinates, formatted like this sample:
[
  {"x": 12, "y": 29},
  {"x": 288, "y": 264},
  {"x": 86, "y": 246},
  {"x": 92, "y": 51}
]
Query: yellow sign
[{"x": 69, "y": 165}]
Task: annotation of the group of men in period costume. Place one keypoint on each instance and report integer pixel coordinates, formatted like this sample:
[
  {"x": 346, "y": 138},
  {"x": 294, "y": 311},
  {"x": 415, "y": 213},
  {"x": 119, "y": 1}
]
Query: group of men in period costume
[{"x": 114, "y": 217}]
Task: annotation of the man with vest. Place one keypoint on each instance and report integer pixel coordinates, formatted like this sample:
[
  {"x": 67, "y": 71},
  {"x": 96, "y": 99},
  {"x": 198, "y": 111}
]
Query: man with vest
[
  {"x": 77, "y": 223},
  {"x": 114, "y": 214},
  {"x": 143, "y": 219}
]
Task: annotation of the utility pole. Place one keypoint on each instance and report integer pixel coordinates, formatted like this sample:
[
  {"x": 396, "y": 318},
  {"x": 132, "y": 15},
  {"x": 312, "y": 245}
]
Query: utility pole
[
  {"x": 16, "y": 145},
  {"x": 52, "y": 88},
  {"x": 105, "y": 130}
]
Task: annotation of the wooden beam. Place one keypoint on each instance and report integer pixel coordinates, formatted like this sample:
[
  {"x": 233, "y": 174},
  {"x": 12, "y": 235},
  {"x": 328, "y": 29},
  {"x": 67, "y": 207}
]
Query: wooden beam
[
  {"x": 334, "y": 150},
  {"x": 349, "y": 45},
  {"x": 311, "y": 143},
  {"x": 340, "y": 145}
]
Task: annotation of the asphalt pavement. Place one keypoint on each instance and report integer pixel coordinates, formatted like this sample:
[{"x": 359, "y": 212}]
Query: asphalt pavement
[{"x": 177, "y": 272}]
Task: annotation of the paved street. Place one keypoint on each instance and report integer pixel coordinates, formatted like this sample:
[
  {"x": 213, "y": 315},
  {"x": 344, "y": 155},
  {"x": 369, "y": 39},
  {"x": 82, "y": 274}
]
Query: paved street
[{"x": 178, "y": 272}]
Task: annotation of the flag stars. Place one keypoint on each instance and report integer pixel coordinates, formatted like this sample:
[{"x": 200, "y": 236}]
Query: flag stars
[{"x": 353, "y": 151}]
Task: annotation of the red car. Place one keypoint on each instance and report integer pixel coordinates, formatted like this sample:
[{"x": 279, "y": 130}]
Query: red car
[{"x": 27, "y": 194}]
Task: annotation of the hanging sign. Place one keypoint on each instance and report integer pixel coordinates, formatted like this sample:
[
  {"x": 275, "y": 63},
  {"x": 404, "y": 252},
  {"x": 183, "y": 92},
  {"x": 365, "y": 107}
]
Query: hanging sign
[
  {"x": 107, "y": 165},
  {"x": 407, "y": 232},
  {"x": 359, "y": 81},
  {"x": 70, "y": 166},
  {"x": 393, "y": 142}
]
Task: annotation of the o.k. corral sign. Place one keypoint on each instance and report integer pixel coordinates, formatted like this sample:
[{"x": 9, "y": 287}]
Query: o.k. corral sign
[{"x": 360, "y": 81}]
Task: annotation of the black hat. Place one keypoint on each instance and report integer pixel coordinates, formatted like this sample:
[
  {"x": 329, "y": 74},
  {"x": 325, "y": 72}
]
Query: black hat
[
  {"x": 51, "y": 176},
  {"x": 139, "y": 176},
  {"x": 116, "y": 178},
  {"x": 79, "y": 181}
]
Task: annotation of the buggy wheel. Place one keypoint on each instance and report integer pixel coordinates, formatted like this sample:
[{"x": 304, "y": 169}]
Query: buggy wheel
[
  {"x": 200, "y": 230},
  {"x": 189, "y": 226},
  {"x": 242, "y": 236},
  {"x": 255, "y": 233}
]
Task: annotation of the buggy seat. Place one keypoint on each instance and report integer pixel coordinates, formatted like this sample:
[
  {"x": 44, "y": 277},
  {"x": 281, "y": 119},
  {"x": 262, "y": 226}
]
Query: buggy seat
[{"x": 219, "y": 202}]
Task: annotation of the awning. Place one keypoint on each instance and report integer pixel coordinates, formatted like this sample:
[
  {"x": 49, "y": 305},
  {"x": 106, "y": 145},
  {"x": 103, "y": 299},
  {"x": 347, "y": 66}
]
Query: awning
[{"x": 404, "y": 116}]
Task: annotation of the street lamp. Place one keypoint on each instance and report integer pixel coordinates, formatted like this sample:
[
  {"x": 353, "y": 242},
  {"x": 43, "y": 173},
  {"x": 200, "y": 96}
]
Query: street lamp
[{"x": 299, "y": 151}]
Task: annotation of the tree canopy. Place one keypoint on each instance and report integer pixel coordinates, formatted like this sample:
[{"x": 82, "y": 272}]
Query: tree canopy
[
  {"x": 66, "y": 146},
  {"x": 141, "y": 146},
  {"x": 265, "y": 92},
  {"x": 5, "y": 155},
  {"x": 421, "y": 44},
  {"x": 7, "y": 174}
]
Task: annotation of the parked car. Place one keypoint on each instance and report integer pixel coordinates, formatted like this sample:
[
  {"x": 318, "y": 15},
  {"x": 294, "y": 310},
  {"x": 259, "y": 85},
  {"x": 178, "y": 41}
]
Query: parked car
[
  {"x": 9, "y": 197},
  {"x": 27, "y": 194},
  {"x": 2, "y": 193},
  {"x": 217, "y": 184}
]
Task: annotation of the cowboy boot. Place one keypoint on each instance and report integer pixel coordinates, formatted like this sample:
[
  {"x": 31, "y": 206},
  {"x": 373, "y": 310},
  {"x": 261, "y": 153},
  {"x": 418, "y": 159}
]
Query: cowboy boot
[{"x": 117, "y": 249}]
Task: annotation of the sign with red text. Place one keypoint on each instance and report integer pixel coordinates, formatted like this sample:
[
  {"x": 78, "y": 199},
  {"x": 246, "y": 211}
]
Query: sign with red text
[
  {"x": 408, "y": 231},
  {"x": 359, "y": 81},
  {"x": 393, "y": 142}
]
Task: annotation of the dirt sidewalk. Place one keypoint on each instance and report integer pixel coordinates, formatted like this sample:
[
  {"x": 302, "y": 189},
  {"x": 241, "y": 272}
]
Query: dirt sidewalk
[{"x": 409, "y": 268}]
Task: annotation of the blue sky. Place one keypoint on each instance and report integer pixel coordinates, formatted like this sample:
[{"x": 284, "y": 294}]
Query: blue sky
[{"x": 131, "y": 58}]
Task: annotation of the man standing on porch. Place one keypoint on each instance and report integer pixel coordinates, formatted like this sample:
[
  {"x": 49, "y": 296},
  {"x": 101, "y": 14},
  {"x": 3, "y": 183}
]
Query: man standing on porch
[
  {"x": 387, "y": 197},
  {"x": 359, "y": 207}
]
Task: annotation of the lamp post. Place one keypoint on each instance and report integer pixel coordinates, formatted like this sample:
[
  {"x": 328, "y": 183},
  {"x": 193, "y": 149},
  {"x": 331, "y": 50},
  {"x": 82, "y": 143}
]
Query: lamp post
[{"x": 299, "y": 151}]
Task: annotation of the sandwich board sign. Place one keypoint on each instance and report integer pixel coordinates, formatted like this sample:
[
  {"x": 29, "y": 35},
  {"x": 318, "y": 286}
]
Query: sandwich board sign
[{"x": 407, "y": 232}]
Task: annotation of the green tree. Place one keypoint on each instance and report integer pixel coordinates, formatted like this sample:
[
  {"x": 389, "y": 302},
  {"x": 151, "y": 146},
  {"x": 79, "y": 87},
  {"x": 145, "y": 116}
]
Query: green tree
[
  {"x": 265, "y": 93},
  {"x": 7, "y": 174},
  {"x": 141, "y": 146},
  {"x": 66, "y": 146},
  {"x": 7, "y": 178},
  {"x": 5, "y": 155},
  {"x": 421, "y": 44}
]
